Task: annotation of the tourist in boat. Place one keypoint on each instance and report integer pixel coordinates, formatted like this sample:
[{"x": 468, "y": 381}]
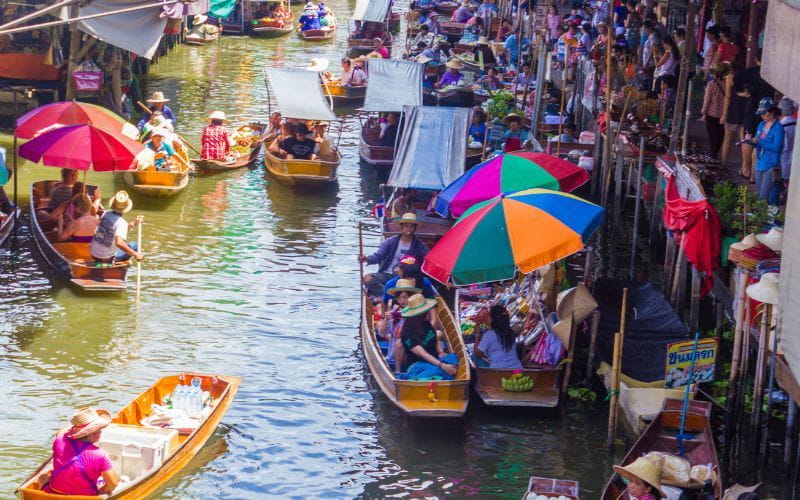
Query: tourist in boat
[
  {"x": 419, "y": 340},
  {"x": 404, "y": 203},
  {"x": 309, "y": 19},
  {"x": 477, "y": 130},
  {"x": 390, "y": 325},
  {"x": 408, "y": 269},
  {"x": 109, "y": 243},
  {"x": 391, "y": 251},
  {"x": 644, "y": 479},
  {"x": 81, "y": 227},
  {"x": 273, "y": 129},
  {"x": 482, "y": 49},
  {"x": 463, "y": 13},
  {"x": 352, "y": 76},
  {"x": 325, "y": 19},
  {"x": 452, "y": 77},
  {"x": 388, "y": 135},
  {"x": 498, "y": 345},
  {"x": 380, "y": 49},
  {"x": 299, "y": 146},
  {"x": 158, "y": 102},
  {"x": 424, "y": 35},
  {"x": 61, "y": 192},
  {"x": 162, "y": 148},
  {"x": 216, "y": 141},
  {"x": 67, "y": 209},
  {"x": 78, "y": 463}
]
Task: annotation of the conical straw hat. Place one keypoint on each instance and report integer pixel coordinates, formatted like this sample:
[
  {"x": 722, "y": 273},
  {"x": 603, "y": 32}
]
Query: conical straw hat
[
  {"x": 767, "y": 290},
  {"x": 578, "y": 301},
  {"x": 645, "y": 470}
]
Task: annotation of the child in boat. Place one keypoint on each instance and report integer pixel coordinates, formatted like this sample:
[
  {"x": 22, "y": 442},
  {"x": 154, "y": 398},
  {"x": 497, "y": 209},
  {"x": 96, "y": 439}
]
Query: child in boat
[
  {"x": 391, "y": 323},
  {"x": 419, "y": 341},
  {"x": 81, "y": 228},
  {"x": 109, "y": 242},
  {"x": 644, "y": 479},
  {"x": 498, "y": 345},
  {"x": 77, "y": 461},
  {"x": 215, "y": 141}
]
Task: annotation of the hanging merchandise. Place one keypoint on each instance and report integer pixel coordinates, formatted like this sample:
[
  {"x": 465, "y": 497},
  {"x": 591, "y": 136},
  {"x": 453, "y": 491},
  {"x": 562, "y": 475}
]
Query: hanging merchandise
[{"x": 87, "y": 77}]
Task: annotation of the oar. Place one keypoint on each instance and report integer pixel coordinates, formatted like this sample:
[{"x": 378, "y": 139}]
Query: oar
[
  {"x": 139, "y": 263},
  {"x": 681, "y": 434},
  {"x": 360, "y": 265},
  {"x": 144, "y": 107}
]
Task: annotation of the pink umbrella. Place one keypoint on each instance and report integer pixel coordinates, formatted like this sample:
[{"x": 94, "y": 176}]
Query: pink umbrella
[
  {"x": 83, "y": 147},
  {"x": 69, "y": 113}
]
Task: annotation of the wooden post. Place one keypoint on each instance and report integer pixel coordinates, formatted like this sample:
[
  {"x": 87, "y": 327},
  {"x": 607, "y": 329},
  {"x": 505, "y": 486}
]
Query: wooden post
[
  {"x": 694, "y": 305},
  {"x": 573, "y": 332},
  {"x": 685, "y": 141},
  {"x": 116, "y": 81},
  {"x": 74, "y": 45},
  {"x": 609, "y": 131},
  {"x": 541, "y": 65},
  {"x": 596, "y": 161},
  {"x": 618, "y": 168},
  {"x": 770, "y": 387},
  {"x": 791, "y": 429},
  {"x": 687, "y": 66},
  {"x": 564, "y": 77},
  {"x": 612, "y": 405},
  {"x": 736, "y": 355},
  {"x": 635, "y": 237},
  {"x": 138, "y": 263},
  {"x": 761, "y": 361},
  {"x": 669, "y": 264},
  {"x": 654, "y": 216},
  {"x": 681, "y": 298},
  {"x": 680, "y": 263},
  {"x": 622, "y": 317},
  {"x": 592, "y": 346}
]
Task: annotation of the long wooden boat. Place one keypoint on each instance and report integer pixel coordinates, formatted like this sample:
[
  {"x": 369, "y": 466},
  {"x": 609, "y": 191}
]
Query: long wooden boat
[
  {"x": 660, "y": 437},
  {"x": 70, "y": 261},
  {"x": 447, "y": 7},
  {"x": 180, "y": 451},
  {"x": 344, "y": 95},
  {"x": 369, "y": 152},
  {"x": 450, "y": 397},
  {"x": 196, "y": 40},
  {"x": 7, "y": 222},
  {"x": 157, "y": 184},
  {"x": 362, "y": 46},
  {"x": 273, "y": 31},
  {"x": 246, "y": 160},
  {"x": 302, "y": 172},
  {"x": 455, "y": 97},
  {"x": 320, "y": 35}
]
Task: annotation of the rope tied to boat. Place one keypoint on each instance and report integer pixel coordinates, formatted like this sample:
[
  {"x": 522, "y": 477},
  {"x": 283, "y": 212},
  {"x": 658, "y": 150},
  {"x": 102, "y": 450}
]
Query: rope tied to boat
[{"x": 612, "y": 393}]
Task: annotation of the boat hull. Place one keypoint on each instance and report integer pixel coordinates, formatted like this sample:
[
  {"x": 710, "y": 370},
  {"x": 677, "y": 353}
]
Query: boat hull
[
  {"x": 545, "y": 394},
  {"x": 71, "y": 262},
  {"x": 320, "y": 35},
  {"x": 7, "y": 226},
  {"x": 272, "y": 32},
  {"x": 222, "y": 388},
  {"x": 377, "y": 156},
  {"x": 156, "y": 184},
  {"x": 343, "y": 95},
  {"x": 412, "y": 397},
  {"x": 302, "y": 172},
  {"x": 214, "y": 166}
]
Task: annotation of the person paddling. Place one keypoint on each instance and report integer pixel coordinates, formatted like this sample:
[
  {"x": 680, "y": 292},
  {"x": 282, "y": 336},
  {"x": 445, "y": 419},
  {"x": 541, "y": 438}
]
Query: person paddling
[
  {"x": 109, "y": 243},
  {"x": 391, "y": 251},
  {"x": 158, "y": 103}
]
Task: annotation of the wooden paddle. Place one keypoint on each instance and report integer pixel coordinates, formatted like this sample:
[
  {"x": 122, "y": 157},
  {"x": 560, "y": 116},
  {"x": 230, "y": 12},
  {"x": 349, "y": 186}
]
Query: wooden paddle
[
  {"x": 139, "y": 263},
  {"x": 145, "y": 108}
]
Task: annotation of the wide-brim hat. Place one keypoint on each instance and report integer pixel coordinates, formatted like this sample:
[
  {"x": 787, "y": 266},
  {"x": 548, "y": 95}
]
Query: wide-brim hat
[
  {"x": 318, "y": 64},
  {"x": 417, "y": 304},
  {"x": 454, "y": 64},
  {"x": 563, "y": 329},
  {"x": 404, "y": 285},
  {"x": 160, "y": 131},
  {"x": 748, "y": 241},
  {"x": 158, "y": 97},
  {"x": 199, "y": 19},
  {"x": 423, "y": 59},
  {"x": 773, "y": 239},
  {"x": 764, "y": 105},
  {"x": 217, "y": 115},
  {"x": 511, "y": 117},
  {"x": 408, "y": 218},
  {"x": 767, "y": 290},
  {"x": 121, "y": 202},
  {"x": 643, "y": 469},
  {"x": 87, "y": 421},
  {"x": 483, "y": 41}
]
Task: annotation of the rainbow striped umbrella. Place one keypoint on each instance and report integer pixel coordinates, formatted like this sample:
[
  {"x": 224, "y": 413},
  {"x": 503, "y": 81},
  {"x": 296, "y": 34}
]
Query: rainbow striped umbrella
[
  {"x": 524, "y": 230},
  {"x": 507, "y": 173}
]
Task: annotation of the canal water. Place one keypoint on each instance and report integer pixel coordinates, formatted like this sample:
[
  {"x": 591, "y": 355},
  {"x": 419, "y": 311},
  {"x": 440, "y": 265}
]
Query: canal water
[{"x": 247, "y": 277}]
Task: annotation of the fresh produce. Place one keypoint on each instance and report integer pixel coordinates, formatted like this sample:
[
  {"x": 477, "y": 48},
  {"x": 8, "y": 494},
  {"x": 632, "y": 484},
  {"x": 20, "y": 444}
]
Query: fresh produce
[{"x": 517, "y": 383}]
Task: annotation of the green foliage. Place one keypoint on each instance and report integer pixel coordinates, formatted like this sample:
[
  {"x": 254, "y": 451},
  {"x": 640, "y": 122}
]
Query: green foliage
[
  {"x": 582, "y": 394},
  {"x": 725, "y": 201},
  {"x": 500, "y": 105},
  {"x": 732, "y": 201}
]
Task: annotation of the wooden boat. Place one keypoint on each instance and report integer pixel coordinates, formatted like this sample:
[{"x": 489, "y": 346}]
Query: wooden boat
[
  {"x": 459, "y": 97},
  {"x": 447, "y": 7},
  {"x": 450, "y": 397},
  {"x": 393, "y": 21},
  {"x": 320, "y": 35},
  {"x": 157, "y": 184},
  {"x": 660, "y": 437},
  {"x": 70, "y": 261},
  {"x": 180, "y": 449},
  {"x": 552, "y": 488},
  {"x": 245, "y": 160},
  {"x": 273, "y": 31},
  {"x": 303, "y": 172},
  {"x": 473, "y": 157},
  {"x": 369, "y": 151},
  {"x": 196, "y": 40},
  {"x": 361, "y": 46},
  {"x": 344, "y": 95},
  {"x": 7, "y": 222}
]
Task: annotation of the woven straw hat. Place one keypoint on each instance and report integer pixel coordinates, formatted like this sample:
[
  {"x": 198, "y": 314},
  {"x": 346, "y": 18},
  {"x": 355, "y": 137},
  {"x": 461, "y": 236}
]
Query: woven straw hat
[
  {"x": 87, "y": 421},
  {"x": 318, "y": 64},
  {"x": 404, "y": 285},
  {"x": 121, "y": 202},
  {"x": 454, "y": 64},
  {"x": 408, "y": 218},
  {"x": 199, "y": 19},
  {"x": 767, "y": 290},
  {"x": 773, "y": 239},
  {"x": 217, "y": 115},
  {"x": 748, "y": 241},
  {"x": 643, "y": 469},
  {"x": 158, "y": 97},
  {"x": 563, "y": 330},
  {"x": 577, "y": 301},
  {"x": 417, "y": 304}
]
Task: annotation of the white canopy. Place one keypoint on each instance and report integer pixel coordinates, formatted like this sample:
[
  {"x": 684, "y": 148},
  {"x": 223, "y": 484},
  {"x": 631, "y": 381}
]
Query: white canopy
[
  {"x": 299, "y": 94},
  {"x": 432, "y": 147},
  {"x": 138, "y": 31},
  {"x": 393, "y": 84},
  {"x": 371, "y": 10}
]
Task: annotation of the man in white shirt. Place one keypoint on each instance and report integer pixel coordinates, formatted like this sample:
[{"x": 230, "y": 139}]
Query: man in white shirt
[{"x": 109, "y": 243}]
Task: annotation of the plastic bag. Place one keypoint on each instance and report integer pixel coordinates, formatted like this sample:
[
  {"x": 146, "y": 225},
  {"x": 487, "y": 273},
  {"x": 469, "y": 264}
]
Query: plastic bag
[{"x": 87, "y": 77}]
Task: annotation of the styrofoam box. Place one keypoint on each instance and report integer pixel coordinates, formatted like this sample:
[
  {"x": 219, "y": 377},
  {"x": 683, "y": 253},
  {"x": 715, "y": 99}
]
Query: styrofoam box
[{"x": 135, "y": 450}]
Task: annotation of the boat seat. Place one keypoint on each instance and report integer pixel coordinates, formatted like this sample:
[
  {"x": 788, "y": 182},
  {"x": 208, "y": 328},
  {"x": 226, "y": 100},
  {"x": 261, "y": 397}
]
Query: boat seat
[{"x": 74, "y": 251}]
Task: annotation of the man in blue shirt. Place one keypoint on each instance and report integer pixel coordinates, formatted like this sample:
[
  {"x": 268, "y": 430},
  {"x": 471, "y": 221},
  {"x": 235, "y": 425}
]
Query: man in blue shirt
[
  {"x": 511, "y": 48},
  {"x": 158, "y": 103}
]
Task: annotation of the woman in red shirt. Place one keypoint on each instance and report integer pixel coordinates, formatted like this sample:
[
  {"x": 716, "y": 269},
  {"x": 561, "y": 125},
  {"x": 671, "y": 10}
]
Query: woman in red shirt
[{"x": 215, "y": 140}]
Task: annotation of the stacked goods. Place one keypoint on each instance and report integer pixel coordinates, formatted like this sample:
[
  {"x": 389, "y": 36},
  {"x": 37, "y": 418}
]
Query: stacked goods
[
  {"x": 243, "y": 139},
  {"x": 517, "y": 383}
]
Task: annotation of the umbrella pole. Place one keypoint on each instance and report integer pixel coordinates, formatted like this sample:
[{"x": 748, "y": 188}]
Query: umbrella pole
[{"x": 139, "y": 263}]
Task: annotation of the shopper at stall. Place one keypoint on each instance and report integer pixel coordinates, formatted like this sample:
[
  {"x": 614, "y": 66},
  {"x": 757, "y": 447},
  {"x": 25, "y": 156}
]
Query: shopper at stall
[
  {"x": 498, "y": 345},
  {"x": 727, "y": 50},
  {"x": 714, "y": 106},
  {"x": 768, "y": 143}
]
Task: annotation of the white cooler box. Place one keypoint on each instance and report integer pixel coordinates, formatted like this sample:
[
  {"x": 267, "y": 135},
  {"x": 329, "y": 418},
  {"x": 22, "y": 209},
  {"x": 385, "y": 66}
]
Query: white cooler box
[{"x": 135, "y": 450}]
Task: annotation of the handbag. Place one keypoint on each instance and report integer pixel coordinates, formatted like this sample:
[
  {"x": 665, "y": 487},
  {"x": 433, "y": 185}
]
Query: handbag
[{"x": 87, "y": 77}]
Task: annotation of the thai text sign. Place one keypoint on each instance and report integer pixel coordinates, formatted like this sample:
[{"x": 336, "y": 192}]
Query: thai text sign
[{"x": 679, "y": 362}]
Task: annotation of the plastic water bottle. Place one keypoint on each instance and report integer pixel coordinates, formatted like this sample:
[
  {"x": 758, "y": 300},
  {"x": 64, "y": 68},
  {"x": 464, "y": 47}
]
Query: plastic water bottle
[
  {"x": 197, "y": 399},
  {"x": 180, "y": 398}
]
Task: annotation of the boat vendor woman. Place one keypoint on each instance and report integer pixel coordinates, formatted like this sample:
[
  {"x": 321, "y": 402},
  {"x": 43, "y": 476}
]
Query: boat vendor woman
[
  {"x": 498, "y": 345},
  {"x": 391, "y": 251},
  {"x": 158, "y": 103},
  {"x": 477, "y": 131},
  {"x": 644, "y": 479},
  {"x": 163, "y": 150},
  {"x": 215, "y": 141},
  {"x": 109, "y": 243},
  {"x": 77, "y": 462},
  {"x": 452, "y": 76},
  {"x": 419, "y": 341},
  {"x": 515, "y": 136}
]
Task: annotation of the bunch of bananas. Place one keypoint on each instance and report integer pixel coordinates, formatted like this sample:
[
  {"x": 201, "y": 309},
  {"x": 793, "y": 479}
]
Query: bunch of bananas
[
  {"x": 517, "y": 383},
  {"x": 240, "y": 149}
]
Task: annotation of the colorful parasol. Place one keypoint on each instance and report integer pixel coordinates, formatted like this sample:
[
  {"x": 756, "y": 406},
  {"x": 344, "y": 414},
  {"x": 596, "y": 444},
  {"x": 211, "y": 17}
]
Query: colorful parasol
[
  {"x": 59, "y": 114},
  {"x": 507, "y": 173},
  {"x": 83, "y": 147},
  {"x": 524, "y": 230}
]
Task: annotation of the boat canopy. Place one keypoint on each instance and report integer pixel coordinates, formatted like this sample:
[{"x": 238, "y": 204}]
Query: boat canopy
[
  {"x": 393, "y": 84},
  {"x": 371, "y": 10},
  {"x": 432, "y": 147},
  {"x": 299, "y": 94}
]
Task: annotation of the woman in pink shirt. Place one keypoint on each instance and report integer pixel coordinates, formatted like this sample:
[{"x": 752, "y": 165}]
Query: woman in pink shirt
[
  {"x": 553, "y": 22},
  {"x": 77, "y": 462},
  {"x": 380, "y": 49}
]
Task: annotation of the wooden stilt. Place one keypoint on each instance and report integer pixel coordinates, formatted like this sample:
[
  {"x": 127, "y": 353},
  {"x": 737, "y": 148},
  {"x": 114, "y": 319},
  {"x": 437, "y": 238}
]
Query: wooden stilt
[
  {"x": 770, "y": 387},
  {"x": 595, "y": 325},
  {"x": 612, "y": 405},
  {"x": 694, "y": 304},
  {"x": 736, "y": 355},
  {"x": 669, "y": 266},
  {"x": 761, "y": 361},
  {"x": 570, "y": 354},
  {"x": 638, "y": 199},
  {"x": 680, "y": 263}
]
